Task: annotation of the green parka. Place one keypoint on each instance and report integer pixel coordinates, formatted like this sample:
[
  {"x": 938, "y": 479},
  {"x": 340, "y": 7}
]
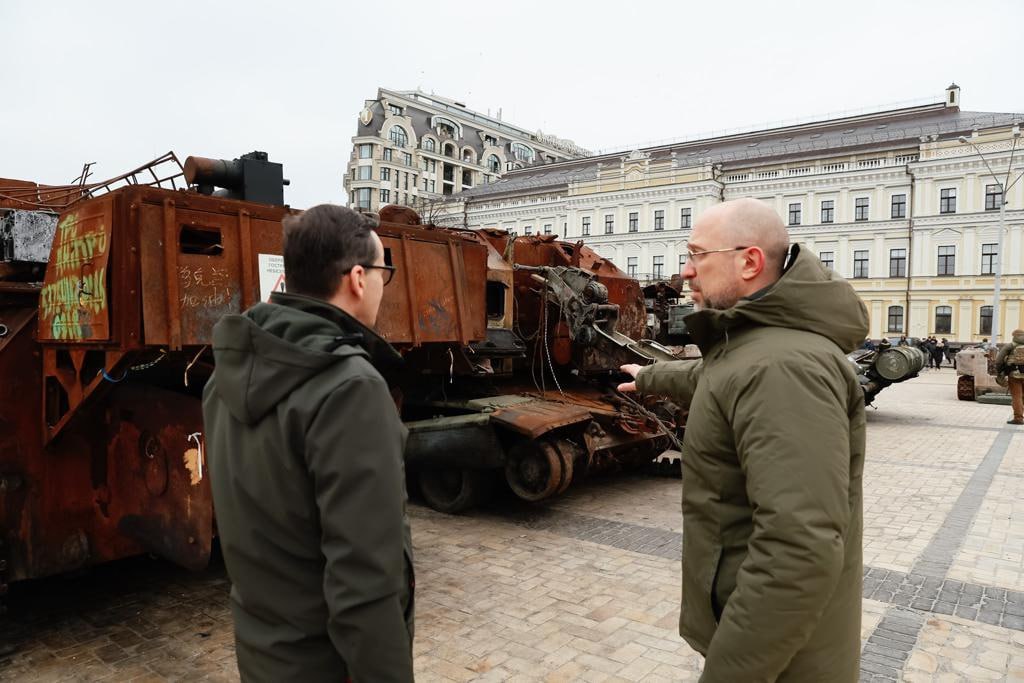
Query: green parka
[
  {"x": 305, "y": 451},
  {"x": 772, "y": 463}
]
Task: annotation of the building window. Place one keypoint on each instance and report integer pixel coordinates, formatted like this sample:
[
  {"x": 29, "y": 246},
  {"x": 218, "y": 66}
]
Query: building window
[
  {"x": 947, "y": 261},
  {"x": 631, "y": 266},
  {"x": 794, "y": 213},
  {"x": 657, "y": 266},
  {"x": 406, "y": 179},
  {"x": 659, "y": 219},
  {"x": 363, "y": 198},
  {"x": 860, "y": 209},
  {"x": 425, "y": 185},
  {"x": 943, "y": 320},
  {"x": 827, "y": 259},
  {"x": 490, "y": 140},
  {"x": 398, "y": 136},
  {"x": 682, "y": 261},
  {"x": 528, "y": 230},
  {"x": 985, "y": 323},
  {"x": 385, "y": 173},
  {"x": 385, "y": 196},
  {"x": 609, "y": 224},
  {"x": 365, "y": 173},
  {"x": 407, "y": 158},
  {"x": 586, "y": 225},
  {"x": 494, "y": 164},
  {"x": 429, "y": 144},
  {"x": 947, "y": 200},
  {"x": 828, "y": 211},
  {"x": 522, "y": 152},
  {"x": 395, "y": 109},
  {"x": 685, "y": 216},
  {"x": 433, "y": 186},
  {"x": 897, "y": 263},
  {"x": 993, "y": 197},
  {"x": 899, "y": 206},
  {"x": 365, "y": 151},
  {"x": 547, "y": 228},
  {"x": 634, "y": 220},
  {"x": 988, "y": 259},
  {"x": 387, "y": 154},
  {"x": 895, "y": 319},
  {"x": 860, "y": 263}
]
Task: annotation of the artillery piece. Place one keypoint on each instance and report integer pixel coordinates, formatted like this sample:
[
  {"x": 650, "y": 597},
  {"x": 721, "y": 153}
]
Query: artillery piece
[{"x": 878, "y": 369}]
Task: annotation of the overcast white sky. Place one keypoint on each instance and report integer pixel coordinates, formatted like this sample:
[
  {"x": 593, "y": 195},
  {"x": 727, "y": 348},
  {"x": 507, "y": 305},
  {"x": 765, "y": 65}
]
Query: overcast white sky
[{"x": 119, "y": 83}]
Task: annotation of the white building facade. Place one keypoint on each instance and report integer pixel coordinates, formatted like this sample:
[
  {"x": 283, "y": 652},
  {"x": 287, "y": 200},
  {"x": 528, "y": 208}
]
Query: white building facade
[
  {"x": 415, "y": 149},
  {"x": 892, "y": 201}
]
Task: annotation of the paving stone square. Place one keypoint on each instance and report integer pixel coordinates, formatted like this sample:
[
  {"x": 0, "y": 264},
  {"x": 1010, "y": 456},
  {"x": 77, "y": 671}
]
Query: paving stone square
[{"x": 586, "y": 587}]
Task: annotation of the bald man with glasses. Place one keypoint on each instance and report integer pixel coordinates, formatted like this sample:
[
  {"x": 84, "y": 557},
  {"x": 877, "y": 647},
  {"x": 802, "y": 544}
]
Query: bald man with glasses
[{"x": 773, "y": 454}]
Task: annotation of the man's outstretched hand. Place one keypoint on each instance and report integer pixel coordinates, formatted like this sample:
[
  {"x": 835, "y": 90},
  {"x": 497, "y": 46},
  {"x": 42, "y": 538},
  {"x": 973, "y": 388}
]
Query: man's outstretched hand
[{"x": 630, "y": 370}]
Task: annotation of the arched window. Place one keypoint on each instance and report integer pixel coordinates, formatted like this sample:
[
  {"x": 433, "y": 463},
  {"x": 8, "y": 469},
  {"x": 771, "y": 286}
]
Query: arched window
[
  {"x": 449, "y": 150},
  {"x": 985, "y": 323},
  {"x": 398, "y": 136},
  {"x": 943, "y": 319},
  {"x": 446, "y": 127},
  {"x": 522, "y": 152},
  {"x": 429, "y": 144},
  {"x": 895, "y": 319},
  {"x": 494, "y": 164},
  {"x": 467, "y": 155}
]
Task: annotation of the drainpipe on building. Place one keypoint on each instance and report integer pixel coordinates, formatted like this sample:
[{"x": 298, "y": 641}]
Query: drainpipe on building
[{"x": 910, "y": 247}]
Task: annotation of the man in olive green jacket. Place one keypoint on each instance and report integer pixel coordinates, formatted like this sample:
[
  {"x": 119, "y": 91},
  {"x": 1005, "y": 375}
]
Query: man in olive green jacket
[
  {"x": 772, "y": 457},
  {"x": 305, "y": 452}
]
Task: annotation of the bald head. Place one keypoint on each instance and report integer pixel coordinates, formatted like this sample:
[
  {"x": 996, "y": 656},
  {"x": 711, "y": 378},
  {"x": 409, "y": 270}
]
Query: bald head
[
  {"x": 745, "y": 244},
  {"x": 749, "y": 223}
]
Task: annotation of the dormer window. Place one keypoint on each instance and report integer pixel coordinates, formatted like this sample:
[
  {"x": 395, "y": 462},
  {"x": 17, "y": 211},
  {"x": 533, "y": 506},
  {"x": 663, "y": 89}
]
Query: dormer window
[
  {"x": 395, "y": 109},
  {"x": 398, "y": 136},
  {"x": 446, "y": 127},
  {"x": 522, "y": 152},
  {"x": 429, "y": 144},
  {"x": 490, "y": 140},
  {"x": 494, "y": 163}
]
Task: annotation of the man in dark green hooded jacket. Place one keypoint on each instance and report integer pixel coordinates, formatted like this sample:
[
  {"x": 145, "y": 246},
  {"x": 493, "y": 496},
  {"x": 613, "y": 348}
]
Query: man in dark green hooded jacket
[
  {"x": 772, "y": 457},
  {"x": 305, "y": 451}
]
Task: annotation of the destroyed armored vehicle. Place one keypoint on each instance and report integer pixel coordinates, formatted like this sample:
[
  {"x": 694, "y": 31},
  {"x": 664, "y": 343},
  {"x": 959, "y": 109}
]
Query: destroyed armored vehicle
[
  {"x": 511, "y": 349},
  {"x": 976, "y": 374},
  {"x": 880, "y": 368}
]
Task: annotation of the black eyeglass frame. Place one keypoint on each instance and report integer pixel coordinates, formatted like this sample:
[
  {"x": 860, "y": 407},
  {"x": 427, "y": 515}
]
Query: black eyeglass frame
[{"x": 387, "y": 278}]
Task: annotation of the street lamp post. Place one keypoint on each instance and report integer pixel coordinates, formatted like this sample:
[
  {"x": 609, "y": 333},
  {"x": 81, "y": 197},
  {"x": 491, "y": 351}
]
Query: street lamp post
[{"x": 1004, "y": 188}]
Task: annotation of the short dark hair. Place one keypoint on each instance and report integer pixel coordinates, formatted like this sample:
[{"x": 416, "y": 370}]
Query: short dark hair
[{"x": 322, "y": 244}]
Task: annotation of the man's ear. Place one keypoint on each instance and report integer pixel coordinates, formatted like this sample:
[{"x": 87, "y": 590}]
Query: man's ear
[{"x": 753, "y": 263}]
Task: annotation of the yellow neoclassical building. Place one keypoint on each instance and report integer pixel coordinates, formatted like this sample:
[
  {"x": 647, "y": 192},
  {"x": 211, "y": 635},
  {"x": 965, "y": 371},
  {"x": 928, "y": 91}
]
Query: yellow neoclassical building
[{"x": 905, "y": 203}]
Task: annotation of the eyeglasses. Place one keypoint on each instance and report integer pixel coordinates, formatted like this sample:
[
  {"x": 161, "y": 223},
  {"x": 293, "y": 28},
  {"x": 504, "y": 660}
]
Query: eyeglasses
[
  {"x": 695, "y": 256},
  {"x": 389, "y": 271}
]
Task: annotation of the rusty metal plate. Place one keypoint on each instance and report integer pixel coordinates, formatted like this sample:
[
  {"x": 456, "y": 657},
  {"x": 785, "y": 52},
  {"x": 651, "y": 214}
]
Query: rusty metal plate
[
  {"x": 73, "y": 301},
  {"x": 538, "y": 417}
]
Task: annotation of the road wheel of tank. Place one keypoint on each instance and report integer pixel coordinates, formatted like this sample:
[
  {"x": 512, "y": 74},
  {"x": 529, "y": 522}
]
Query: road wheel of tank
[
  {"x": 965, "y": 388},
  {"x": 454, "y": 490},
  {"x": 535, "y": 471}
]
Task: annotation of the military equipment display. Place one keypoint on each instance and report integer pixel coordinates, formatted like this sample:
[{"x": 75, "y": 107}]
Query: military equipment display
[
  {"x": 976, "y": 374},
  {"x": 880, "y": 368},
  {"x": 511, "y": 349}
]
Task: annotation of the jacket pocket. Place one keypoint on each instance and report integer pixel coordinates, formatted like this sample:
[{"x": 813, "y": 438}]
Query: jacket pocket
[
  {"x": 698, "y": 620},
  {"x": 716, "y": 608},
  {"x": 410, "y": 606}
]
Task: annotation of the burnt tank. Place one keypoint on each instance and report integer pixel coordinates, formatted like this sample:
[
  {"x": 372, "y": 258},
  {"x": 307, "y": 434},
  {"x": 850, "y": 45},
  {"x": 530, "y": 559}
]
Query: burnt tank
[{"x": 511, "y": 347}]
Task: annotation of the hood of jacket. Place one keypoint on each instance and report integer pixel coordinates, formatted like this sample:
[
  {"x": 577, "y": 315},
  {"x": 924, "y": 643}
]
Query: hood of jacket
[
  {"x": 807, "y": 297},
  {"x": 270, "y": 350}
]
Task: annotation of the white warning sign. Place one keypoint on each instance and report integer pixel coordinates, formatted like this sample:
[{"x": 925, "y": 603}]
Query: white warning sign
[{"x": 271, "y": 275}]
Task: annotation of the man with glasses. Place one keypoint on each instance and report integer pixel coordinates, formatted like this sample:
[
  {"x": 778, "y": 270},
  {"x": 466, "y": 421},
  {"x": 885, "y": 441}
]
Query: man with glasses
[
  {"x": 773, "y": 454},
  {"x": 305, "y": 451}
]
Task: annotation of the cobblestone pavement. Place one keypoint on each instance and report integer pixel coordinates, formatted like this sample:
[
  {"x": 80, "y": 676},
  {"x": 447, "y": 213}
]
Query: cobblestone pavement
[{"x": 586, "y": 588}]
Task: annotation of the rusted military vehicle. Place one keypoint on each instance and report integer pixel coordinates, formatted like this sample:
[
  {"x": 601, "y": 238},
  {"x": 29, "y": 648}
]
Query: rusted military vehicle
[{"x": 510, "y": 350}]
